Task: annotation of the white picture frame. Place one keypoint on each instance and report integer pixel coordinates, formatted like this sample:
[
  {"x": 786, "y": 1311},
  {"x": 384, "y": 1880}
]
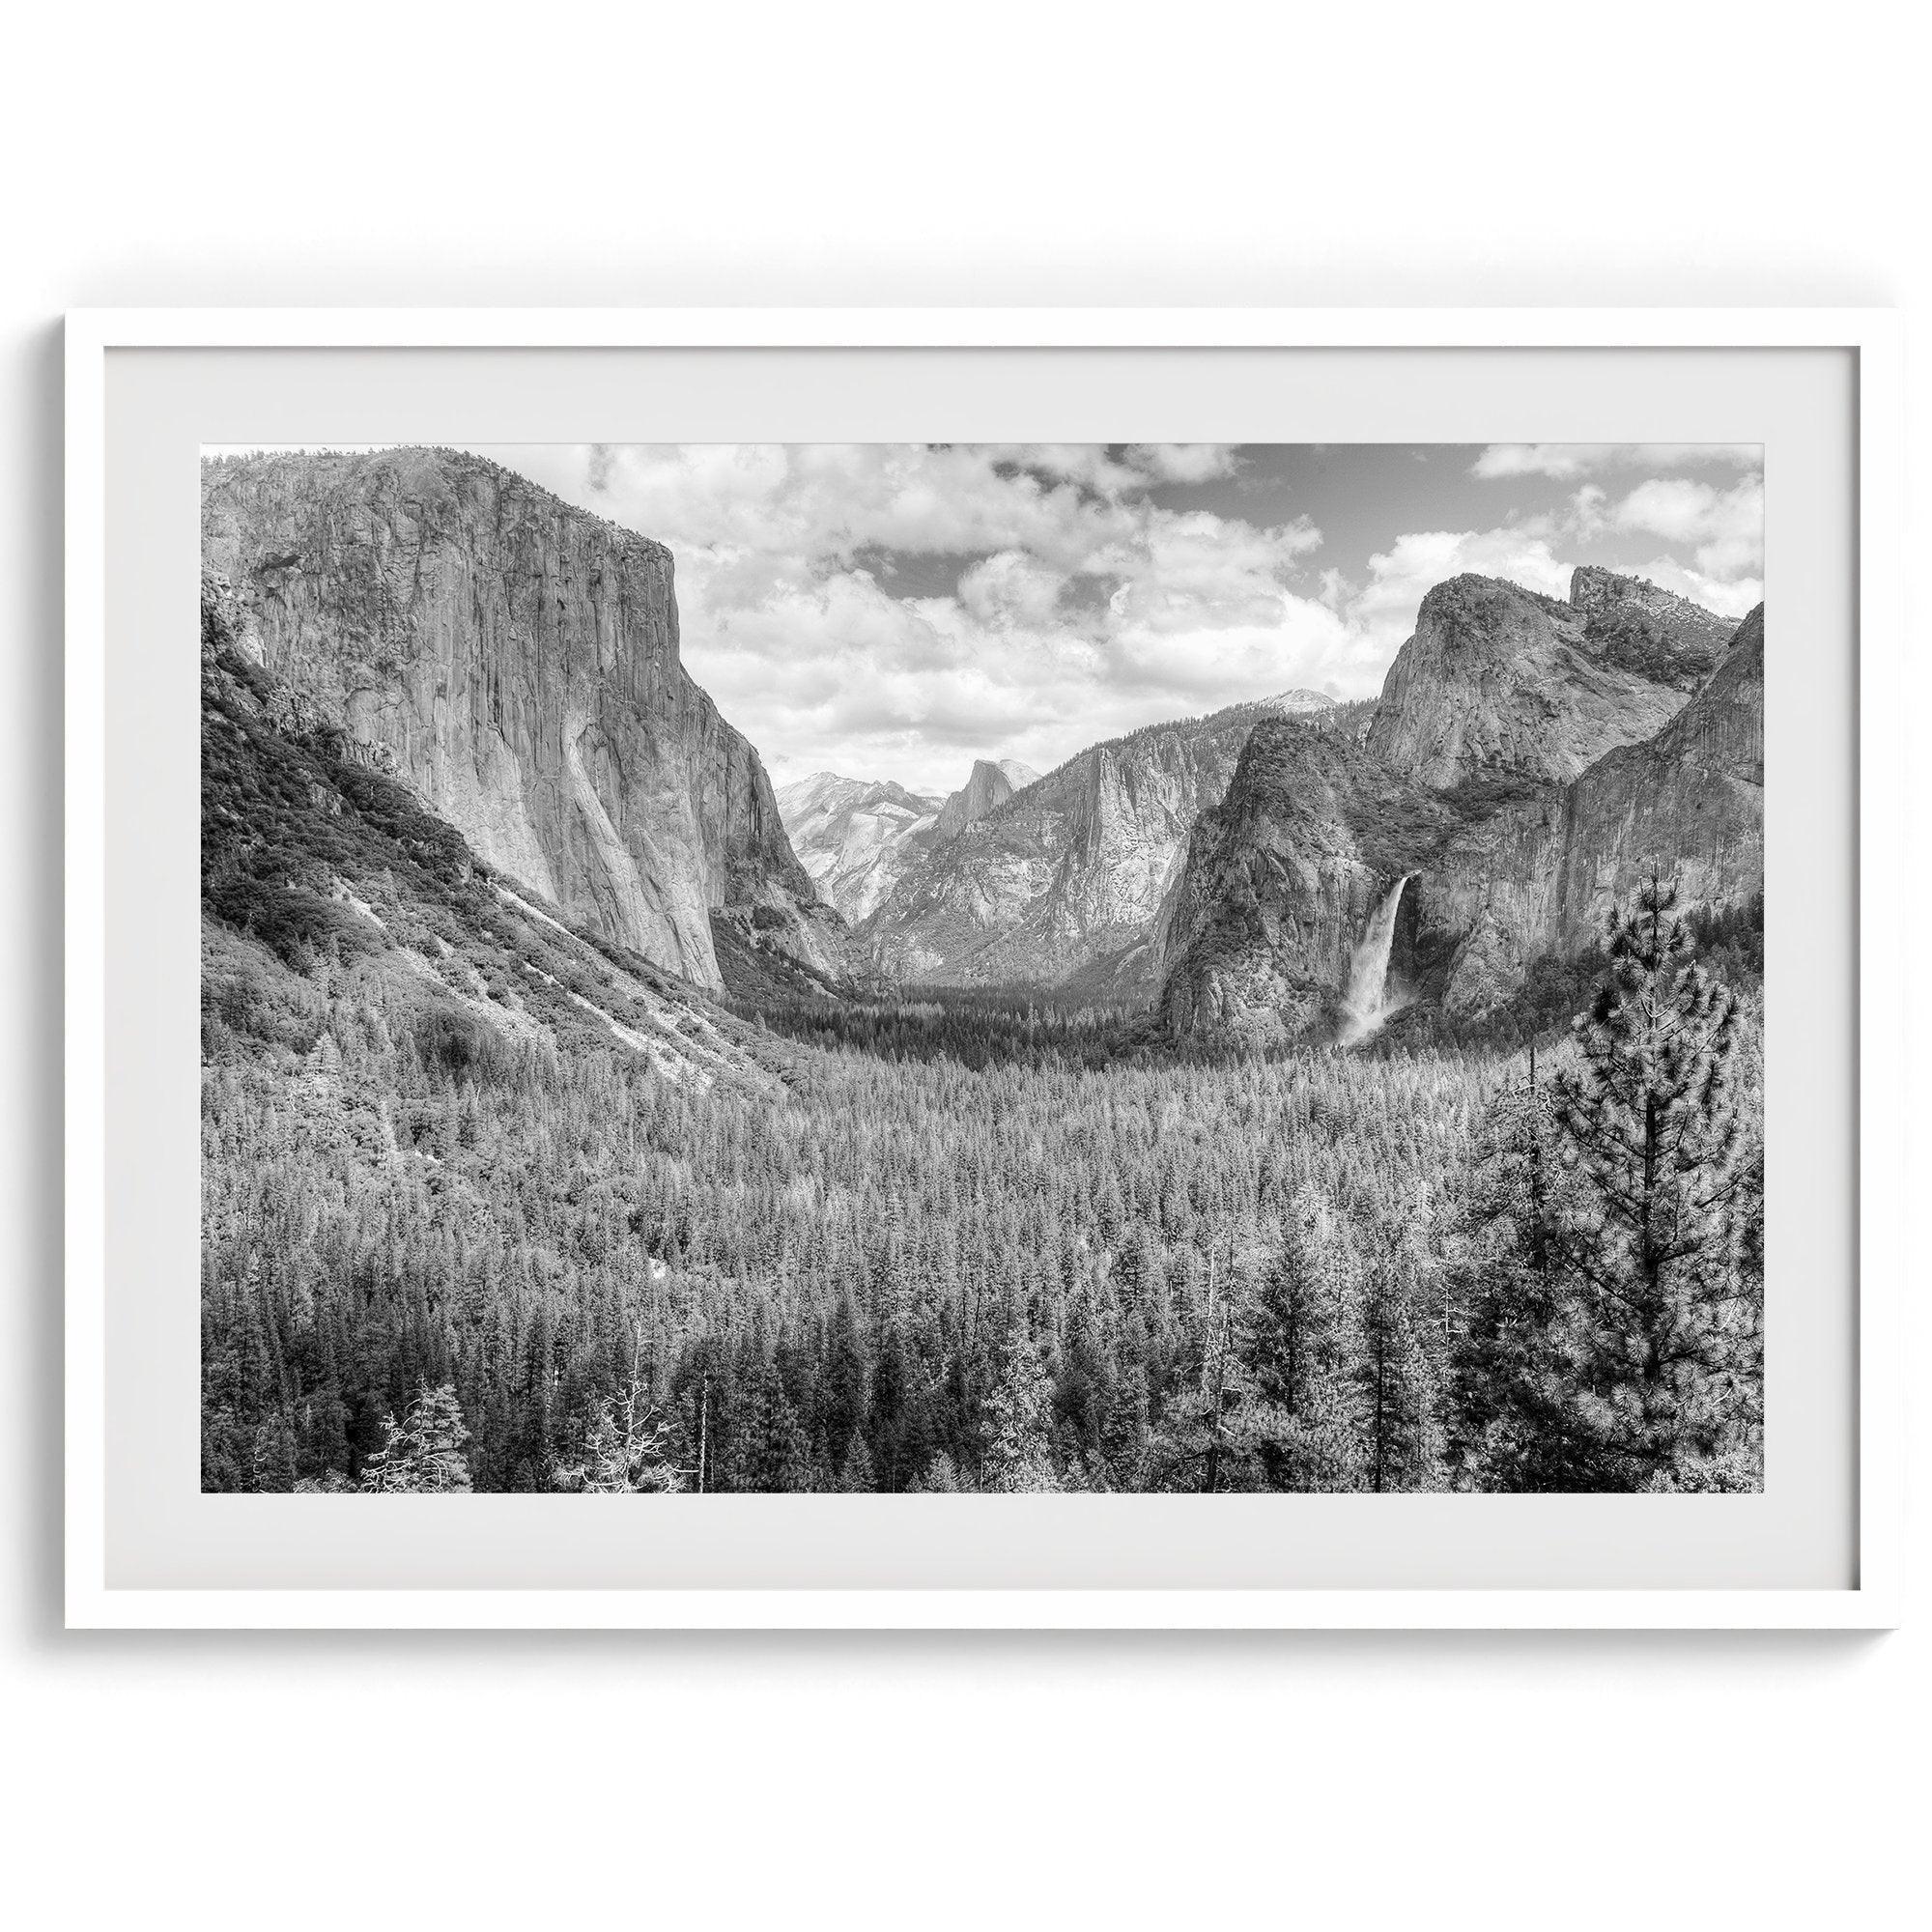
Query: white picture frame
[{"x": 1873, "y": 1597}]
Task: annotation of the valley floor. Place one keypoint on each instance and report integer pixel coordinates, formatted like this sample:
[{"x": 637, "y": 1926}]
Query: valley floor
[{"x": 952, "y": 1248}]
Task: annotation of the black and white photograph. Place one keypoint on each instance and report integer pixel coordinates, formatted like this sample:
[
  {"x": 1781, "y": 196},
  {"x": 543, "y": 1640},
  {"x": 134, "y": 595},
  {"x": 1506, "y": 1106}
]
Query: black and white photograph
[
  {"x": 1002, "y": 968},
  {"x": 1000, "y": 1053}
]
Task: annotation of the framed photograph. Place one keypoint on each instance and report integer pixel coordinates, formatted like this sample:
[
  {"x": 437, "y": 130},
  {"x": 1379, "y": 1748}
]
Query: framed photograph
[{"x": 984, "y": 969}]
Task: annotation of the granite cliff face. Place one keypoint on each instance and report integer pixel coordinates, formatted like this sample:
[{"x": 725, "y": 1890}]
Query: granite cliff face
[
  {"x": 1501, "y": 683},
  {"x": 1066, "y": 877},
  {"x": 306, "y": 852},
  {"x": 1518, "y": 843},
  {"x": 515, "y": 661},
  {"x": 1540, "y": 877},
  {"x": 990, "y": 788},
  {"x": 1281, "y": 881},
  {"x": 1629, "y": 621}
]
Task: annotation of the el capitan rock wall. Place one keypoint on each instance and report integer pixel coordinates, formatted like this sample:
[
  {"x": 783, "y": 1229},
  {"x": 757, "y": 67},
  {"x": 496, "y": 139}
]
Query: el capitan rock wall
[{"x": 516, "y": 661}]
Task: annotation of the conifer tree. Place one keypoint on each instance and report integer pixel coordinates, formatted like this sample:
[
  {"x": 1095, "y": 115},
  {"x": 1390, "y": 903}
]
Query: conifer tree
[
  {"x": 1288, "y": 1416},
  {"x": 422, "y": 1454},
  {"x": 1125, "y": 1429},
  {"x": 1018, "y": 1419},
  {"x": 225, "y": 1445},
  {"x": 1652, "y": 1241},
  {"x": 855, "y": 1473},
  {"x": 627, "y": 1446},
  {"x": 941, "y": 1477},
  {"x": 846, "y": 1382},
  {"x": 1514, "y": 1421},
  {"x": 899, "y": 1428},
  {"x": 1086, "y": 1378},
  {"x": 1393, "y": 1384},
  {"x": 772, "y": 1453}
]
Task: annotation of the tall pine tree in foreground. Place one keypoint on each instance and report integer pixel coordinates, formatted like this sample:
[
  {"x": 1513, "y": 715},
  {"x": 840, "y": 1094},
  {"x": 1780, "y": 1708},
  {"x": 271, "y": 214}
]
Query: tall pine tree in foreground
[
  {"x": 1650, "y": 1241},
  {"x": 1514, "y": 1420}
]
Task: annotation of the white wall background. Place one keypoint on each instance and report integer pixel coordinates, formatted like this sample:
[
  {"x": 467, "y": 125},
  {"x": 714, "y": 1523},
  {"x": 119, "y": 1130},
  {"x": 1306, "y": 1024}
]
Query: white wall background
[{"x": 393, "y": 153}]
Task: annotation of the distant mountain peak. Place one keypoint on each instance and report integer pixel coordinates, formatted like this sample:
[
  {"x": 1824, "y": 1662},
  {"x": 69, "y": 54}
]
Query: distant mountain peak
[
  {"x": 831, "y": 789},
  {"x": 991, "y": 783},
  {"x": 855, "y": 836},
  {"x": 1300, "y": 700}
]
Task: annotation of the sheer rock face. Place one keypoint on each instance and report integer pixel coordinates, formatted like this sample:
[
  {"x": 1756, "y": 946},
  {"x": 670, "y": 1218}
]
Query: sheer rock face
[
  {"x": 1500, "y": 682},
  {"x": 1540, "y": 877},
  {"x": 354, "y": 861},
  {"x": 990, "y": 788},
  {"x": 1280, "y": 883},
  {"x": 516, "y": 661},
  {"x": 1070, "y": 873}
]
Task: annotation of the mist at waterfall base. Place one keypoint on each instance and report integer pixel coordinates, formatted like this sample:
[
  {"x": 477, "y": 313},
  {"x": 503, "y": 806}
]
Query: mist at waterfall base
[{"x": 1366, "y": 1000}]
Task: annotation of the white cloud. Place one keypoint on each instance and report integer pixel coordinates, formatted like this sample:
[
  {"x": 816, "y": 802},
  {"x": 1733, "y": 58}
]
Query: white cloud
[
  {"x": 806, "y": 503},
  {"x": 1726, "y": 527},
  {"x": 1087, "y": 463},
  {"x": 1011, "y": 588},
  {"x": 1336, "y": 589},
  {"x": 833, "y": 671},
  {"x": 1586, "y": 509},
  {"x": 1566, "y": 459},
  {"x": 1140, "y": 464},
  {"x": 1184, "y": 462},
  {"x": 1192, "y": 569},
  {"x": 895, "y": 610}
]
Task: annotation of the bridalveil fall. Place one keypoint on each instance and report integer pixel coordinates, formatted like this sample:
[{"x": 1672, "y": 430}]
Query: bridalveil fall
[{"x": 1363, "y": 1003}]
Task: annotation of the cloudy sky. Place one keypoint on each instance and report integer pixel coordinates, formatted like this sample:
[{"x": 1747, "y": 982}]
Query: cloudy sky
[{"x": 895, "y": 610}]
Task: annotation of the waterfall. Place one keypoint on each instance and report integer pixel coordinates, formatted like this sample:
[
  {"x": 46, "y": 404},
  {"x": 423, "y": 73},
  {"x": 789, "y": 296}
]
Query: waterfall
[{"x": 1363, "y": 1003}]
